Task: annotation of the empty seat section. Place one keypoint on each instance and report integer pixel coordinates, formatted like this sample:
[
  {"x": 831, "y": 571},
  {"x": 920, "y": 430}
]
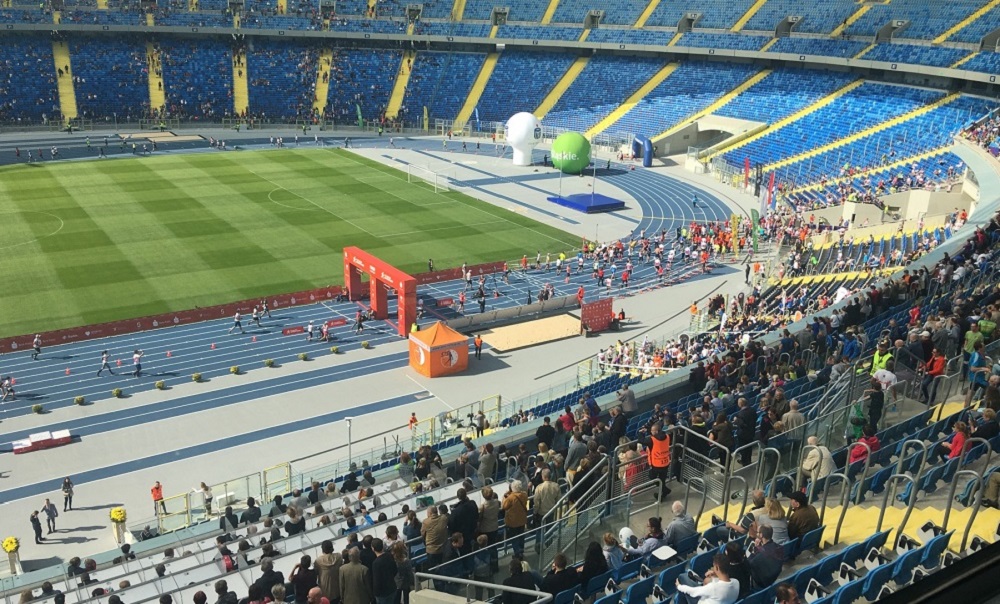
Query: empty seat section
[
  {"x": 361, "y": 77},
  {"x": 197, "y": 77},
  {"x": 441, "y": 82},
  {"x": 715, "y": 14},
  {"x": 915, "y": 54},
  {"x": 782, "y": 93},
  {"x": 726, "y": 41},
  {"x": 813, "y": 46},
  {"x": 507, "y": 82},
  {"x": 692, "y": 87},
  {"x": 282, "y": 78},
  {"x": 817, "y": 17},
  {"x": 600, "y": 88},
  {"x": 112, "y": 77}
]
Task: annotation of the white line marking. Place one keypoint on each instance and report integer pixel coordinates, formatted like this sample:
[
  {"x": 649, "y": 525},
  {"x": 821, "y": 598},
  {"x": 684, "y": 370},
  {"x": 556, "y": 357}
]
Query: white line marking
[{"x": 39, "y": 238}]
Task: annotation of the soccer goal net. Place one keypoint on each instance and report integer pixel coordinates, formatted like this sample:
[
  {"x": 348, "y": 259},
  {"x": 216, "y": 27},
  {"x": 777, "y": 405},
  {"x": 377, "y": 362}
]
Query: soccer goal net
[{"x": 438, "y": 181}]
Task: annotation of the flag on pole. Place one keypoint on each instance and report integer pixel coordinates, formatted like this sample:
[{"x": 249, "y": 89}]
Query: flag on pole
[
  {"x": 754, "y": 223},
  {"x": 361, "y": 120},
  {"x": 746, "y": 172},
  {"x": 770, "y": 193}
]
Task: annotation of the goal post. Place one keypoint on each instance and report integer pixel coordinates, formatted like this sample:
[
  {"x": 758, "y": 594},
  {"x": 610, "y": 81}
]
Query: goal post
[{"x": 439, "y": 182}]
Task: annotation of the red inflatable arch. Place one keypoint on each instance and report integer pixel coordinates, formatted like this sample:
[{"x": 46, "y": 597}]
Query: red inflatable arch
[{"x": 383, "y": 277}]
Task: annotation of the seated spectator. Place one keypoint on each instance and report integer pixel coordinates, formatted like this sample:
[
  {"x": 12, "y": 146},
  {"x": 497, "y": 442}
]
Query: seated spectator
[
  {"x": 950, "y": 450},
  {"x": 594, "y": 564},
  {"x": 224, "y": 595},
  {"x": 803, "y": 517},
  {"x": 559, "y": 578},
  {"x": 652, "y": 541},
  {"x": 680, "y": 527},
  {"x": 765, "y": 562},
  {"x": 520, "y": 579},
  {"x": 773, "y": 517},
  {"x": 739, "y": 568},
  {"x": 613, "y": 551},
  {"x": 718, "y": 587},
  {"x": 268, "y": 576}
]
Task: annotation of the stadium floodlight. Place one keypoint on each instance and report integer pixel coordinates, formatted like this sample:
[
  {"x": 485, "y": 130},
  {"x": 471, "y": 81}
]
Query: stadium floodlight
[{"x": 438, "y": 181}]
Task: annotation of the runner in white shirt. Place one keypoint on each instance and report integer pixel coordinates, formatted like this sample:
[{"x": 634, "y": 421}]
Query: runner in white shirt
[
  {"x": 236, "y": 323},
  {"x": 105, "y": 358},
  {"x": 137, "y": 362}
]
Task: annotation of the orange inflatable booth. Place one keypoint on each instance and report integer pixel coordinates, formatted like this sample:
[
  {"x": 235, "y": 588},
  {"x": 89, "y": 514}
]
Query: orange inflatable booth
[{"x": 438, "y": 350}]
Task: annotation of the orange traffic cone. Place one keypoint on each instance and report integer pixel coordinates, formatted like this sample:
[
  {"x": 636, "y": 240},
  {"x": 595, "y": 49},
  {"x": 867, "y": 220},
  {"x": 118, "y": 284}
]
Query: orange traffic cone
[
  {"x": 254, "y": 339},
  {"x": 67, "y": 371},
  {"x": 213, "y": 345},
  {"x": 118, "y": 362},
  {"x": 169, "y": 355}
]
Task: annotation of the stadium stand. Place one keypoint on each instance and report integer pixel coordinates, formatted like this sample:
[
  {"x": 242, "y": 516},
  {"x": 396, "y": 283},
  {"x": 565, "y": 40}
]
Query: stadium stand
[
  {"x": 612, "y": 80},
  {"x": 282, "y": 79},
  {"x": 441, "y": 82},
  {"x": 630, "y": 36},
  {"x": 361, "y": 78},
  {"x": 615, "y": 13},
  {"x": 27, "y": 84},
  {"x": 818, "y": 46},
  {"x": 912, "y": 53},
  {"x": 545, "y": 69},
  {"x": 110, "y": 78},
  {"x": 860, "y": 108},
  {"x": 197, "y": 78},
  {"x": 539, "y": 32},
  {"x": 686, "y": 91},
  {"x": 817, "y": 17},
  {"x": 926, "y": 21},
  {"x": 782, "y": 93},
  {"x": 984, "y": 62},
  {"x": 715, "y": 14},
  {"x": 727, "y": 41}
]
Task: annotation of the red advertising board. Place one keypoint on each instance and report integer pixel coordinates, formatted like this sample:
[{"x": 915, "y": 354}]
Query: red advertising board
[
  {"x": 596, "y": 316},
  {"x": 445, "y": 302},
  {"x": 336, "y": 322},
  {"x": 292, "y": 331},
  {"x": 450, "y": 274}
]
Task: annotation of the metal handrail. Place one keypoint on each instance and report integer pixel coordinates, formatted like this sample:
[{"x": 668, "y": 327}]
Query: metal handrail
[
  {"x": 704, "y": 496},
  {"x": 968, "y": 448},
  {"x": 977, "y": 475},
  {"x": 564, "y": 500},
  {"x": 540, "y": 596},
  {"x": 746, "y": 494},
  {"x": 845, "y": 494},
  {"x": 777, "y": 468},
  {"x": 802, "y": 460},
  {"x": 885, "y": 501}
]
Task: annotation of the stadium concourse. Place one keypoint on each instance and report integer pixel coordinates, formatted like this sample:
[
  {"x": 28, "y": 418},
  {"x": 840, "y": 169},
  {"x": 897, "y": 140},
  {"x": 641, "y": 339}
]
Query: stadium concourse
[{"x": 237, "y": 425}]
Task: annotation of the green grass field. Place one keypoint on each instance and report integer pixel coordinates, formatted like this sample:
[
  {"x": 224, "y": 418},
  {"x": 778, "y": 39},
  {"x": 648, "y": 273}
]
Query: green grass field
[{"x": 90, "y": 242}]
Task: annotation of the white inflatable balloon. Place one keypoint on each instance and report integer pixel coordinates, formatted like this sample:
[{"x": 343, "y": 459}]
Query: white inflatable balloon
[{"x": 523, "y": 133}]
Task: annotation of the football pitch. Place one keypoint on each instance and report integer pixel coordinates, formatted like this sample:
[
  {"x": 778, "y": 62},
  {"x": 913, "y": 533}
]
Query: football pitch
[{"x": 89, "y": 242}]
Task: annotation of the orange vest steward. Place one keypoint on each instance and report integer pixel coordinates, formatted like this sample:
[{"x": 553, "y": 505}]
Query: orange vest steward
[{"x": 659, "y": 453}]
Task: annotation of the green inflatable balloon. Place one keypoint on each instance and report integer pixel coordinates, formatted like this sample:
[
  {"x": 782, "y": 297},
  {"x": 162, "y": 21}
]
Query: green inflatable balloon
[{"x": 571, "y": 153}]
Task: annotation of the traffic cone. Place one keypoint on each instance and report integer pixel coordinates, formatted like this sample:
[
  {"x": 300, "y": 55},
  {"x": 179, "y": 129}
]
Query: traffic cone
[
  {"x": 67, "y": 371},
  {"x": 13, "y": 381},
  {"x": 169, "y": 355},
  {"x": 213, "y": 345},
  {"x": 118, "y": 363},
  {"x": 254, "y": 339}
]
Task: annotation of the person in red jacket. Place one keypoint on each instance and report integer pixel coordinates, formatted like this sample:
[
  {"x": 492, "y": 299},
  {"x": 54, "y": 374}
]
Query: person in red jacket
[
  {"x": 953, "y": 449},
  {"x": 859, "y": 452},
  {"x": 934, "y": 368}
]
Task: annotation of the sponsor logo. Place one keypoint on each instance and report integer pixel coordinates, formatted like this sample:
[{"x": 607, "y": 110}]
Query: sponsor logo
[{"x": 564, "y": 156}]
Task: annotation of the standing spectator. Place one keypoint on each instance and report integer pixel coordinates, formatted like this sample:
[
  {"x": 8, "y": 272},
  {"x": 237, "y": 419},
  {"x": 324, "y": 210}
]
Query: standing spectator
[
  {"x": 67, "y": 491},
  {"x": 224, "y": 595},
  {"x": 658, "y": 447},
  {"x": 487, "y": 463},
  {"x": 36, "y": 526},
  {"x": 515, "y": 507},
  {"x": 546, "y": 495},
  {"x": 464, "y": 517},
  {"x": 405, "y": 579},
  {"x": 384, "y": 573},
  {"x": 206, "y": 497},
  {"x": 626, "y": 398},
  {"x": 51, "y": 513},
  {"x": 435, "y": 533},
  {"x": 545, "y": 433},
  {"x": 302, "y": 578},
  {"x": 355, "y": 582},
  {"x": 316, "y": 596},
  {"x": 158, "y": 504},
  {"x": 328, "y": 565},
  {"x": 933, "y": 369}
]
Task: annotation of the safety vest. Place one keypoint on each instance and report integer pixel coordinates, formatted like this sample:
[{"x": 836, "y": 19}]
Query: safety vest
[
  {"x": 157, "y": 493},
  {"x": 879, "y": 361},
  {"x": 659, "y": 452}
]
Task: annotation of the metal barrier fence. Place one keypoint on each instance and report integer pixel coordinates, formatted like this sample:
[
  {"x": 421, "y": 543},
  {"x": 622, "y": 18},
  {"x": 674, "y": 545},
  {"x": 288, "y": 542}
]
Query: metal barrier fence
[{"x": 462, "y": 421}]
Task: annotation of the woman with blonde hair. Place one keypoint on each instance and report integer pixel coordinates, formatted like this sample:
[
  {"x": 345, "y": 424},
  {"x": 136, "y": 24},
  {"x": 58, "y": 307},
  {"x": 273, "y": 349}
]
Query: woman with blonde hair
[
  {"x": 544, "y": 452},
  {"x": 774, "y": 517},
  {"x": 613, "y": 551}
]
